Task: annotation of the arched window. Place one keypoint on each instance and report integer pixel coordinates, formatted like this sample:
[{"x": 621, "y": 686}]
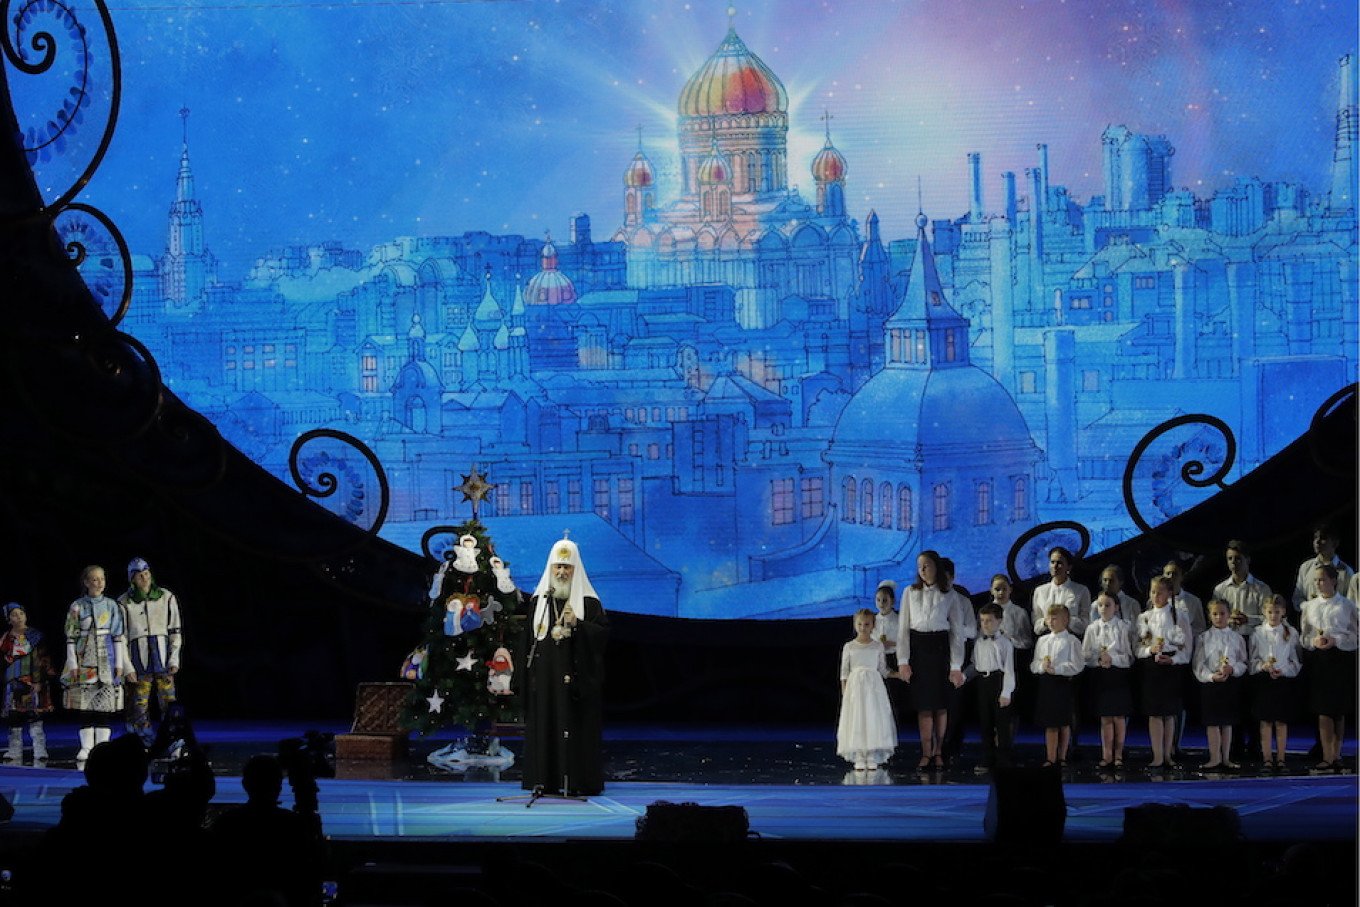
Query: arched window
[
  {"x": 848, "y": 499},
  {"x": 885, "y": 505},
  {"x": 984, "y": 503},
  {"x": 1019, "y": 498},
  {"x": 867, "y": 492},
  {"x": 941, "y": 507},
  {"x": 904, "y": 521}
]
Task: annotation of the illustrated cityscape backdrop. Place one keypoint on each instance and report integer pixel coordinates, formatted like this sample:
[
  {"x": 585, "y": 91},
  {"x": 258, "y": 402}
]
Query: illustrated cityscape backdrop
[{"x": 745, "y": 402}]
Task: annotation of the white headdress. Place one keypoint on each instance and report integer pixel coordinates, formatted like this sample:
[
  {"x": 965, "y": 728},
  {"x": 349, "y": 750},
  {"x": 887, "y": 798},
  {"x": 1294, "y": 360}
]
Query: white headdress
[{"x": 563, "y": 551}]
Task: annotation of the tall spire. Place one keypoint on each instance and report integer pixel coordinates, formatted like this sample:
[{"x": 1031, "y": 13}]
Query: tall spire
[
  {"x": 1345, "y": 163},
  {"x": 926, "y": 331},
  {"x": 185, "y": 268}
]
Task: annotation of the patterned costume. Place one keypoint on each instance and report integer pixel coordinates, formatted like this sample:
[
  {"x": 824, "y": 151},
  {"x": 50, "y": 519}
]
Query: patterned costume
[
  {"x": 152, "y": 622},
  {"x": 27, "y": 695},
  {"x": 96, "y": 656}
]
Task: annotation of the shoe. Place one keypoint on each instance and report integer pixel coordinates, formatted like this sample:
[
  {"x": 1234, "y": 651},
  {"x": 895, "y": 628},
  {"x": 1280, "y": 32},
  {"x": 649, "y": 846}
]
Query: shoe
[
  {"x": 1211, "y": 767},
  {"x": 1105, "y": 765},
  {"x": 1118, "y": 765},
  {"x": 1232, "y": 766},
  {"x": 937, "y": 764},
  {"x": 924, "y": 764},
  {"x": 981, "y": 770},
  {"x": 1323, "y": 768}
]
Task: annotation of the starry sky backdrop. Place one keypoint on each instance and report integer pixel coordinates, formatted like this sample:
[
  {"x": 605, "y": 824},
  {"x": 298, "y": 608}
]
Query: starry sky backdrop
[{"x": 367, "y": 120}]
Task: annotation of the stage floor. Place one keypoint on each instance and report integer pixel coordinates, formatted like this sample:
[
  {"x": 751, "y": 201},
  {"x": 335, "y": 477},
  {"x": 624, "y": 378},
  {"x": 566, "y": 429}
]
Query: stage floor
[{"x": 789, "y": 780}]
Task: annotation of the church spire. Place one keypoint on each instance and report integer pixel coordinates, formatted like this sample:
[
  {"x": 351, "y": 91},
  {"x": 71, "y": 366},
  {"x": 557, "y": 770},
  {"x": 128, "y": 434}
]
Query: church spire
[{"x": 926, "y": 331}]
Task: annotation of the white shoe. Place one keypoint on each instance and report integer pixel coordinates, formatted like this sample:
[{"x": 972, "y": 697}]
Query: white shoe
[{"x": 86, "y": 744}]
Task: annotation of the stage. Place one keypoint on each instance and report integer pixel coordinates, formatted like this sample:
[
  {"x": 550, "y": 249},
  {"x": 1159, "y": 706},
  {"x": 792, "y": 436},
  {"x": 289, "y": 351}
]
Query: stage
[{"x": 789, "y": 781}]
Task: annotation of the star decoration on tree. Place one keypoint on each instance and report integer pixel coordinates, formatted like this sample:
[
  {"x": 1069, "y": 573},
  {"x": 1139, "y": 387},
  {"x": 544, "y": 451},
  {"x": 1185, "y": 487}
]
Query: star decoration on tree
[
  {"x": 466, "y": 662},
  {"x": 475, "y": 488},
  {"x": 436, "y": 702}
]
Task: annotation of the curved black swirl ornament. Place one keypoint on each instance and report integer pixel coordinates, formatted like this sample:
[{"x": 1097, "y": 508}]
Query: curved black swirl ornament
[
  {"x": 1029, "y": 552},
  {"x": 95, "y": 247},
  {"x": 1321, "y": 446},
  {"x": 331, "y": 473},
  {"x": 1202, "y": 460},
  {"x": 81, "y": 74}
]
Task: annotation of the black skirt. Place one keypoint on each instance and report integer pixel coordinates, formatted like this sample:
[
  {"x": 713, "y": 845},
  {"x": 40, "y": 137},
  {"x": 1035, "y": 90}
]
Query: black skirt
[
  {"x": 1275, "y": 699},
  {"x": 1054, "y": 705},
  {"x": 1161, "y": 689},
  {"x": 929, "y": 686},
  {"x": 1220, "y": 703},
  {"x": 1331, "y": 681},
  {"x": 1111, "y": 691}
]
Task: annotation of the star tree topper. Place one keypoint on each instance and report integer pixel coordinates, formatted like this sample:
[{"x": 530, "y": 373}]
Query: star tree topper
[{"x": 475, "y": 488}]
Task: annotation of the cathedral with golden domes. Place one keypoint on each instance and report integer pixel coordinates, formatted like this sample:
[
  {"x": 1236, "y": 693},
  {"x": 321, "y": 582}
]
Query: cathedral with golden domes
[{"x": 737, "y": 221}]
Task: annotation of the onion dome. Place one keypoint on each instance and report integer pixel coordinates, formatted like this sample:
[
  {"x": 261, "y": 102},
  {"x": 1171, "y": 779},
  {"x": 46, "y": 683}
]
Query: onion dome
[
  {"x": 733, "y": 80},
  {"x": 714, "y": 169},
  {"x": 639, "y": 174},
  {"x": 828, "y": 166}
]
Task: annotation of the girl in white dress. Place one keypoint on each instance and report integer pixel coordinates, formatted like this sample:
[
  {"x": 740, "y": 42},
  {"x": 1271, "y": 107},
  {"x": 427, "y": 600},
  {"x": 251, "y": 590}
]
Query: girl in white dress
[{"x": 866, "y": 735}]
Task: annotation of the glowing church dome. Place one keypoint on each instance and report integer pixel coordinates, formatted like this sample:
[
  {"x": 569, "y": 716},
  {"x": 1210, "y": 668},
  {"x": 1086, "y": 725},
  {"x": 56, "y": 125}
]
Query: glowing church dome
[
  {"x": 714, "y": 169},
  {"x": 733, "y": 80},
  {"x": 639, "y": 174},
  {"x": 829, "y": 164}
]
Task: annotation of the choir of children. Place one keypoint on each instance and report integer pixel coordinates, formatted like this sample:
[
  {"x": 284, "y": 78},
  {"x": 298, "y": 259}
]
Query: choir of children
[{"x": 1247, "y": 663}]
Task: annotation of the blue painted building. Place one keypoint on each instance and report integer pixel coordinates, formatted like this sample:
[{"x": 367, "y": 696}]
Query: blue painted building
[{"x": 765, "y": 404}]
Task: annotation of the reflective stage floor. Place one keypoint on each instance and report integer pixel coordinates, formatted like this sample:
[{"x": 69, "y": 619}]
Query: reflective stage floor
[{"x": 789, "y": 780}]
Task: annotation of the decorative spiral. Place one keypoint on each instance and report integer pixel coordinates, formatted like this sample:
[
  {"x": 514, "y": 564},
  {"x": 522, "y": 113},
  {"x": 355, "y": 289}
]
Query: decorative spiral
[
  {"x": 104, "y": 262},
  {"x": 1030, "y": 551},
  {"x": 1323, "y": 453},
  {"x": 323, "y": 475},
  {"x": 1192, "y": 457},
  {"x": 49, "y": 140}
]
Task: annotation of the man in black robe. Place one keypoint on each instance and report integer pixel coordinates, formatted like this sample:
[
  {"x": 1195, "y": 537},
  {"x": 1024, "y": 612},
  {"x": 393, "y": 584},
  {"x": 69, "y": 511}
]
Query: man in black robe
[{"x": 562, "y": 679}]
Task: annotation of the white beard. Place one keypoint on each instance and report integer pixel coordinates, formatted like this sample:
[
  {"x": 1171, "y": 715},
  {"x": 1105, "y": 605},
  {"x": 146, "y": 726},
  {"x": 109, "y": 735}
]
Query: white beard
[{"x": 561, "y": 588}]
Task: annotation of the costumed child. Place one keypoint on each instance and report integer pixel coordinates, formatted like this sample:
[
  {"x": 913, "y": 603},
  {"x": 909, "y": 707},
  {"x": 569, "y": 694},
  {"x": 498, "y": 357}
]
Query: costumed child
[
  {"x": 1107, "y": 650},
  {"x": 1329, "y": 630},
  {"x": 866, "y": 734},
  {"x": 151, "y": 618},
  {"x": 931, "y": 634},
  {"x": 97, "y": 662},
  {"x": 1057, "y": 660},
  {"x": 1219, "y": 664},
  {"x": 994, "y": 664},
  {"x": 1274, "y": 661},
  {"x": 27, "y": 696},
  {"x": 1164, "y": 641}
]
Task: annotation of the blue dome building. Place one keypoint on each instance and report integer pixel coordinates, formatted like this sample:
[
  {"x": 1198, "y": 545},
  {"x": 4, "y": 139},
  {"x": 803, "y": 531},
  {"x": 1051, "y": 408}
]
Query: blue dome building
[{"x": 931, "y": 452}]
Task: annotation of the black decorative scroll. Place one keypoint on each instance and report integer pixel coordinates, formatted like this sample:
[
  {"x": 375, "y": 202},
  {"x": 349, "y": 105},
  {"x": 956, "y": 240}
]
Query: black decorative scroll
[
  {"x": 1191, "y": 471},
  {"x": 105, "y": 262},
  {"x": 50, "y": 139},
  {"x": 329, "y": 475},
  {"x": 1037, "y": 532},
  {"x": 1322, "y": 456}
]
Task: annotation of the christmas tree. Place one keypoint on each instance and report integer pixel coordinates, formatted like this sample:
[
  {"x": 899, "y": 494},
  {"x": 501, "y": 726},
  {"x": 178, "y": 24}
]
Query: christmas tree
[{"x": 461, "y": 669}]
